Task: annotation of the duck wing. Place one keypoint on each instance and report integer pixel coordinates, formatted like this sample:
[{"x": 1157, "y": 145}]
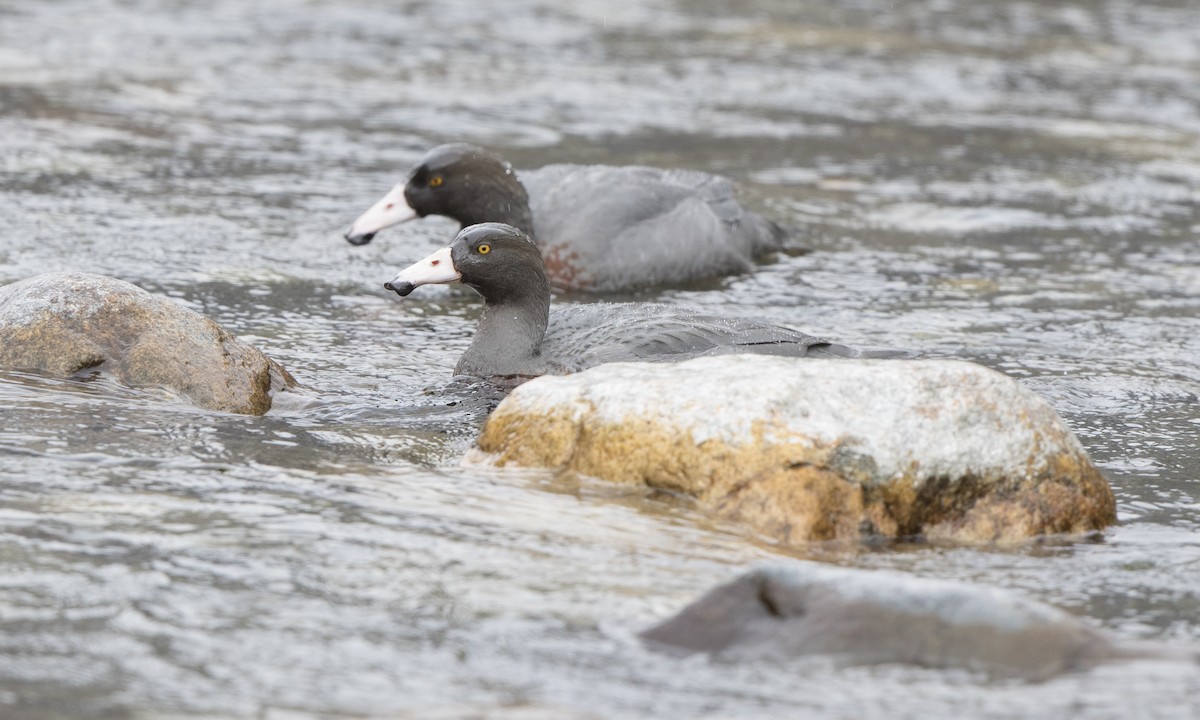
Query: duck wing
[
  {"x": 581, "y": 336},
  {"x": 606, "y": 228}
]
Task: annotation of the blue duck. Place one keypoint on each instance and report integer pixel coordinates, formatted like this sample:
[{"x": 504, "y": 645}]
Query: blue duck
[
  {"x": 521, "y": 336},
  {"x": 600, "y": 228}
]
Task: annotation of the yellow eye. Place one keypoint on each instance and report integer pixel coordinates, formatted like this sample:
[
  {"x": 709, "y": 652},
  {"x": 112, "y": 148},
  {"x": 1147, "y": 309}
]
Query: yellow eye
[
  {"x": 436, "y": 181},
  {"x": 483, "y": 249}
]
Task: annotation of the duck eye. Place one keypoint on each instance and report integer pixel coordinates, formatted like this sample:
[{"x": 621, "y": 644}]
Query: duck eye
[
  {"x": 483, "y": 249},
  {"x": 436, "y": 181}
]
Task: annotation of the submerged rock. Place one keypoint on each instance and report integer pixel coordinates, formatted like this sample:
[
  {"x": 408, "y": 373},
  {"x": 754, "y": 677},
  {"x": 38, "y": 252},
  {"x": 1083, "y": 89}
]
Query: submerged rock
[
  {"x": 62, "y": 323},
  {"x": 867, "y": 617},
  {"x": 806, "y": 449}
]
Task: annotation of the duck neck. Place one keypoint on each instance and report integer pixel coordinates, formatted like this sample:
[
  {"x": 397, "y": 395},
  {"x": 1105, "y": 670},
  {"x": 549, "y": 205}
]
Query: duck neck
[
  {"x": 500, "y": 197},
  {"x": 509, "y": 337}
]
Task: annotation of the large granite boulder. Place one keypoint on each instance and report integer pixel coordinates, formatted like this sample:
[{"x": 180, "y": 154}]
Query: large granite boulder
[
  {"x": 865, "y": 617},
  {"x": 61, "y": 323},
  {"x": 807, "y": 449}
]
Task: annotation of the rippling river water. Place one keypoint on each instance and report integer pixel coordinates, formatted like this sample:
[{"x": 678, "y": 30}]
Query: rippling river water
[{"x": 1014, "y": 183}]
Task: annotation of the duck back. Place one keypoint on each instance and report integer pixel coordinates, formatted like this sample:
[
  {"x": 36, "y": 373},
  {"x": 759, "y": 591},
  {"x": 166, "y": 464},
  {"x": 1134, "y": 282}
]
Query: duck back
[
  {"x": 604, "y": 228},
  {"x": 581, "y": 336}
]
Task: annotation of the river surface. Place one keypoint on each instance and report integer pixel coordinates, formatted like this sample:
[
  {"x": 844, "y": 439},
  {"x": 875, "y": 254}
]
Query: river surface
[{"x": 1013, "y": 183}]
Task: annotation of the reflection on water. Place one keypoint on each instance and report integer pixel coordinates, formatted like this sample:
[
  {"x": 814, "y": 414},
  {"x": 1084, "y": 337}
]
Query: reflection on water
[{"x": 1008, "y": 182}]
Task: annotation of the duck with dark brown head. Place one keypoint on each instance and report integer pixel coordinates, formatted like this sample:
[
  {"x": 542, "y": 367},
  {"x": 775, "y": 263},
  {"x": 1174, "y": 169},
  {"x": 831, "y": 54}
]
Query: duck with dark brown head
[
  {"x": 600, "y": 228},
  {"x": 520, "y": 335}
]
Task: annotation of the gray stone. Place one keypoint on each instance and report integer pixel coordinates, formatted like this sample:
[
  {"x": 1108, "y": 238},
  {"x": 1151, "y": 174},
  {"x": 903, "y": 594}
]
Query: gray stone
[
  {"x": 806, "y": 449},
  {"x": 867, "y": 617},
  {"x": 62, "y": 323}
]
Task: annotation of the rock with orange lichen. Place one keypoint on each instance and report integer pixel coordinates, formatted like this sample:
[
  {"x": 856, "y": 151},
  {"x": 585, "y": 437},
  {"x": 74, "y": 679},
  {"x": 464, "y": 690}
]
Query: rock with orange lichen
[
  {"x": 807, "y": 449},
  {"x": 63, "y": 323}
]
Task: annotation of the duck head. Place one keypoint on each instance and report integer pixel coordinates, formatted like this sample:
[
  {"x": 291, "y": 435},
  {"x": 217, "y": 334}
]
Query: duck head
[
  {"x": 498, "y": 261},
  {"x": 463, "y": 182}
]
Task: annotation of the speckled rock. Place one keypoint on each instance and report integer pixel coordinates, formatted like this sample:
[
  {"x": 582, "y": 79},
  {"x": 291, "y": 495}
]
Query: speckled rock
[
  {"x": 868, "y": 616},
  {"x": 806, "y": 449},
  {"x": 61, "y": 323}
]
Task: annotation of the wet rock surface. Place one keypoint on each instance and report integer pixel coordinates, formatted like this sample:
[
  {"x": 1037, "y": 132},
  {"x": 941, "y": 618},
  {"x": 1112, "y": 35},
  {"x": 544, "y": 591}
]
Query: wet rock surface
[
  {"x": 785, "y": 611},
  {"x": 64, "y": 323},
  {"x": 803, "y": 449}
]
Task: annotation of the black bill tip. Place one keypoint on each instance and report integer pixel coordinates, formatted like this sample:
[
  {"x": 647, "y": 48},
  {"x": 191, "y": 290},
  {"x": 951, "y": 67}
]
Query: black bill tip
[
  {"x": 401, "y": 288},
  {"x": 360, "y": 239}
]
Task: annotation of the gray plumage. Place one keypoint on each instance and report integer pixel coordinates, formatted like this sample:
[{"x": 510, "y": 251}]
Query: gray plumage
[
  {"x": 617, "y": 228},
  {"x": 600, "y": 228},
  {"x": 580, "y": 336},
  {"x": 520, "y": 336}
]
